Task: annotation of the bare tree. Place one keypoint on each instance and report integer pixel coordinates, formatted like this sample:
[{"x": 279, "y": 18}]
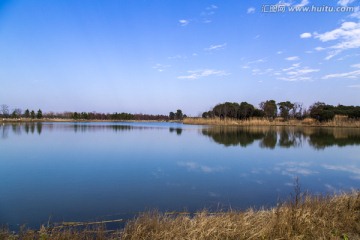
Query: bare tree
[{"x": 4, "y": 109}]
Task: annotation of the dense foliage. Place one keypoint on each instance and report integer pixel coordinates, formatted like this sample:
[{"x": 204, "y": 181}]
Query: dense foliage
[{"x": 286, "y": 110}]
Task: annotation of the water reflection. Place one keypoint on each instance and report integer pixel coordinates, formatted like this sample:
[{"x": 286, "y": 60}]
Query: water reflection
[
  {"x": 267, "y": 137},
  {"x": 284, "y": 137},
  {"x": 177, "y": 130},
  {"x": 37, "y": 127}
]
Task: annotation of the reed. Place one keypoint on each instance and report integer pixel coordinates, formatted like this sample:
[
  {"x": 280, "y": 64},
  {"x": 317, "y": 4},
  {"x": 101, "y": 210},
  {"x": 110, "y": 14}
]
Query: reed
[
  {"x": 338, "y": 121},
  {"x": 301, "y": 217}
]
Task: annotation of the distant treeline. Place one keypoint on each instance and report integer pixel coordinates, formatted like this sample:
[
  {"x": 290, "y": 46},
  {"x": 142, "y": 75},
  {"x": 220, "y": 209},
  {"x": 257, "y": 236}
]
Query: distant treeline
[
  {"x": 18, "y": 113},
  {"x": 287, "y": 110}
]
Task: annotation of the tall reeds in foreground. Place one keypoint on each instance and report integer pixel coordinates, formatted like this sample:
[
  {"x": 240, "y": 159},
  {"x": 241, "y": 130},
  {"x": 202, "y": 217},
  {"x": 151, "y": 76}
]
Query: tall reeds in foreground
[
  {"x": 301, "y": 217},
  {"x": 304, "y": 217}
]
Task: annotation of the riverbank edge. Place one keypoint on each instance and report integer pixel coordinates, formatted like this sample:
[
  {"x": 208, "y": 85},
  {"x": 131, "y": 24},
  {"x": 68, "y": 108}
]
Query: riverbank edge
[
  {"x": 302, "y": 216},
  {"x": 45, "y": 120},
  {"x": 307, "y": 122}
]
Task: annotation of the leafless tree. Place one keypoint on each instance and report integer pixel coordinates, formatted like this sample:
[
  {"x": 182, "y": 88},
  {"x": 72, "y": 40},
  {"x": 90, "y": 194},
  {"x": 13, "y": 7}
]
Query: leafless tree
[{"x": 4, "y": 109}]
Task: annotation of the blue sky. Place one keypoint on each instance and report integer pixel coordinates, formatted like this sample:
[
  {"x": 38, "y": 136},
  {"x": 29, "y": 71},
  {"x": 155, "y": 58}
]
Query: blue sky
[{"x": 157, "y": 56}]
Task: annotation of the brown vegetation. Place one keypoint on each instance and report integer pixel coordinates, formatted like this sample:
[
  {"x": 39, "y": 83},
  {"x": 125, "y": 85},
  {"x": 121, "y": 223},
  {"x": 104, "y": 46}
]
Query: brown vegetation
[
  {"x": 302, "y": 217},
  {"x": 338, "y": 121}
]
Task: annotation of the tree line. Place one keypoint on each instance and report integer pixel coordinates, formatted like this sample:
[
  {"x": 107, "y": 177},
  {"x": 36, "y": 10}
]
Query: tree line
[
  {"x": 31, "y": 114},
  {"x": 287, "y": 110},
  {"x": 18, "y": 113}
]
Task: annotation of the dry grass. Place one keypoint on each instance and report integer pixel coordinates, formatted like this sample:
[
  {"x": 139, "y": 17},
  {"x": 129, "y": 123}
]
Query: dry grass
[
  {"x": 338, "y": 121},
  {"x": 302, "y": 217}
]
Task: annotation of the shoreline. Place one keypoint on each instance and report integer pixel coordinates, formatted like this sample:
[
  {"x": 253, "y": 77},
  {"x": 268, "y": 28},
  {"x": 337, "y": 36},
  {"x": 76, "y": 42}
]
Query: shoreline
[
  {"x": 278, "y": 122},
  {"x": 302, "y": 216},
  {"x": 45, "y": 120}
]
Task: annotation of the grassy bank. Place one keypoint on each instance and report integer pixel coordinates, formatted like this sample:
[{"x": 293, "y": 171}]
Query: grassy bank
[
  {"x": 302, "y": 217},
  {"x": 336, "y": 122}
]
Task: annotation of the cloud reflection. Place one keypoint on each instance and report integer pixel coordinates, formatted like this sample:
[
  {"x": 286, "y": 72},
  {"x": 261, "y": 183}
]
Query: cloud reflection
[
  {"x": 353, "y": 170},
  {"x": 193, "y": 166}
]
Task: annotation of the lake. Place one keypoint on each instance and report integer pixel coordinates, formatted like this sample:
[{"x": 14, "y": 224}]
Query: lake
[{"x": 103, "y": 171}]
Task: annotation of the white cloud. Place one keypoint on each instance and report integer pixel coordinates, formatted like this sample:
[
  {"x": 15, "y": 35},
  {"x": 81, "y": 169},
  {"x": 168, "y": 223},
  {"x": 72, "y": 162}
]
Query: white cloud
[
  {"x": 161, "y": 67},
  {"x": 257, "y": 71},
  {"x": 260, "y": 60},
  {"x": 356, "y": 65},
  {"x": 351, "y": 75},
  {"x": 347, "y": 37},
  {"x": 293, "y": 58},
  {"x": 285, "y": 3},
  {"x": 248, "y": 64},
  {"x": 354, "y": 86},
  {"x": 294, "y": 169},
  {"x": 356, "y": 13},
  {"x": 344, "y": 3},
  {"x": 212, "y": 7},
  {"x": 297, "y": 73},
  {"x": 305, "y": 35},
  {"x": 203, "y": 73},
  {"x": 216, "y": 47},
  {"x": 303, "y": 3},
  {"x": 354, "y": 170},
  {"x": 319, "y": 48},
  {"x": 279, "y": 52},
  {"x": 184, "y": 22},
  {"x": 206, "y": 14},
  {"x": 251, "y": 10},
  {"x": 291, "y": 2},
  {"x": 178, "y": 56},
  {"x": 193, "y": 166}
]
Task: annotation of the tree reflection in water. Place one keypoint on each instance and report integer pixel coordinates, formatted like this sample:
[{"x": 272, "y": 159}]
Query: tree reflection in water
[{"x": 284, "y": 137}]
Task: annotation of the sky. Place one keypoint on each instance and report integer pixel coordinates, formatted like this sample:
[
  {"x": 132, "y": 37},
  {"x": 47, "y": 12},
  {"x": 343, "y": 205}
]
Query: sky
[{"x": 157, "y": 56}]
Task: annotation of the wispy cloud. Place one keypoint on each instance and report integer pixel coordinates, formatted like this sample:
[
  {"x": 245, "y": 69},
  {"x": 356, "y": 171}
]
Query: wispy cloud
[
  {"x": 356, "y": 65},
  {"x": 356, "y": 13},
  {"x": 305, "y": 35},
  {"x": 216, "y": 47},
  {"x": 302, "y": 3},
  {"x": 178, "y": 56},
  {"x": 301, "y": 74},
  {"x": 212, "y": 7},
  {"x": 353, "y": 170},
  {"x": 184, "y": 22},
  {"x": 254, "y": 62},
  {"x": 350, "y": 75},
  {"x": 344, "y": 3},
  {"x": 203, "y": 73},
  {"x": 293, "y": 58},
  {"x": 354, "y": 86},
  {"x": 347, "y": 37},
  {"x": 208, "y": 12},
  {"x": 294, "y": 169},
  {"x": 319, "y": 49},
  {"x": 160, "y": 67},
  {"x": 251, "y": 10},
  {"x": 193, "y": 166},
  {"x": 292, "y": 2},
  {"x": 297, "y": 73}
]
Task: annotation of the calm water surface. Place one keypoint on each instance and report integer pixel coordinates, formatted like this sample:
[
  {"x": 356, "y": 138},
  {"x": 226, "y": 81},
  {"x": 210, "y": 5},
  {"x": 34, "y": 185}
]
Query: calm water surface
[{"x": 104, "y": 171}]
